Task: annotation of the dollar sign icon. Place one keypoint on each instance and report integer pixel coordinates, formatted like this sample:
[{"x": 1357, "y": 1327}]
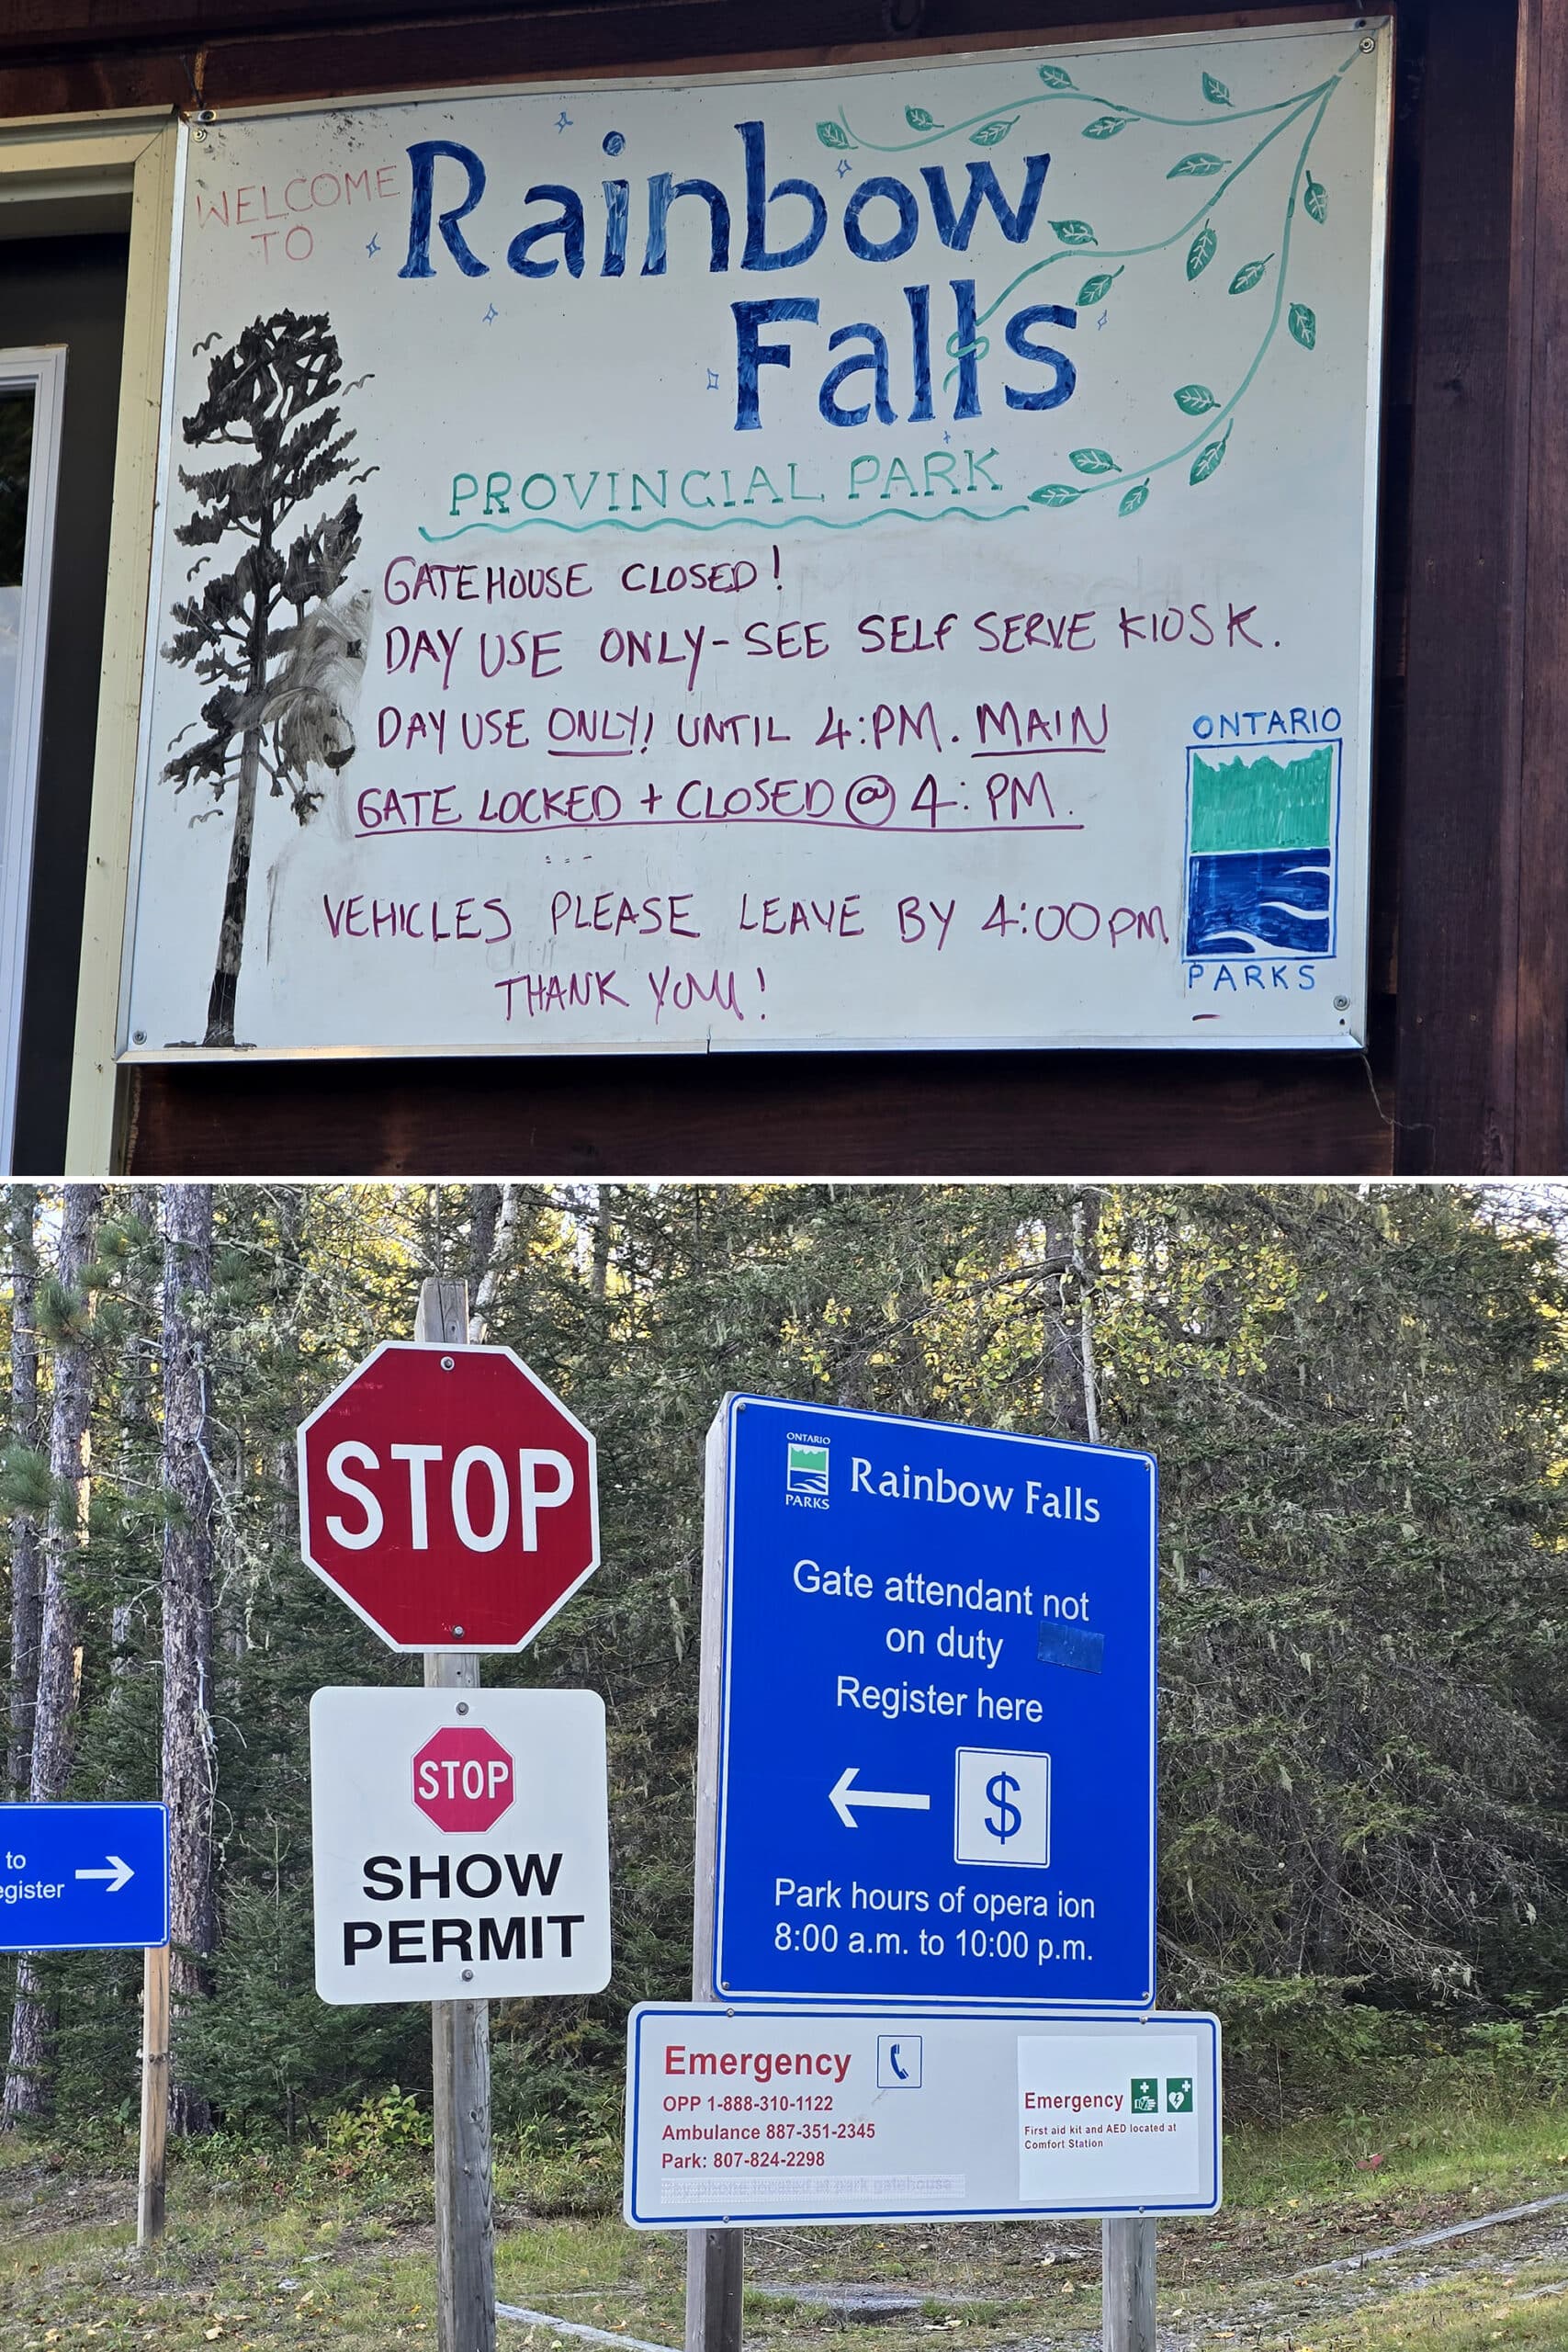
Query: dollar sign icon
[{"x": 999, "y": 1791}]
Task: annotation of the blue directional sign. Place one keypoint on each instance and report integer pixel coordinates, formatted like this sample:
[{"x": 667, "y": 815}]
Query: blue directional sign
[
  {"x": 83, "y": 1877},
  {"x": 936, "y": 1717}
]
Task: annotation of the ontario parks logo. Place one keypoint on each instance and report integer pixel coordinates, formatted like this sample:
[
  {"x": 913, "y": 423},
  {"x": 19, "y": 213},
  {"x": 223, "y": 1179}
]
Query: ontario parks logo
[{"x": 806, "y": 1473}]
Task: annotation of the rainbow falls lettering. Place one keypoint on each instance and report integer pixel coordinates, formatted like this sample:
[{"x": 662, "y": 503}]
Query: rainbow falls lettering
[{"x": 856, "y": 387}]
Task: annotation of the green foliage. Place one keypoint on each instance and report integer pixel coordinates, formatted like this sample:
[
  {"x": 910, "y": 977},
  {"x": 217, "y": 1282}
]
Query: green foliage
[
  {"x": 385, "y": 2136},
  {"x": 25, "y": 1482},
  {"x": 1358, "y": 1401}
]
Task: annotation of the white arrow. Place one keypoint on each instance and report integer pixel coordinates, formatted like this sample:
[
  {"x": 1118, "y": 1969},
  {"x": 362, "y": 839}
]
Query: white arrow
[
  {"x": 843, "y": 1795},
  {"x": 117, "y": 1877}
]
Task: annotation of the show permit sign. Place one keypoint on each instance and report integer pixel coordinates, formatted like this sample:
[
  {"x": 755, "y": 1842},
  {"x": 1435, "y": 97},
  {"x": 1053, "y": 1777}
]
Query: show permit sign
[
  {"x": 461, "y": 1844},
  {"x": 847, "y": 556}
]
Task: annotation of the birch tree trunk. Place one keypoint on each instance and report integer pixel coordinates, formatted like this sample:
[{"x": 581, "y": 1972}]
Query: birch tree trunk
[
  {"x": 189, "y": 1746},
  {"x": 503, "y": 1230},
  {"x": 28, "y": 2083},
  {"x": 26, "y": 1591}
]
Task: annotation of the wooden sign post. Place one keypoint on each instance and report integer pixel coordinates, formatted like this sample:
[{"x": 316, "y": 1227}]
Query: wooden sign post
[
  {"x": 1127, "y": 2285},
  {"x": 154, "y": 2094},
  {"x": 459, "y": 2030}
]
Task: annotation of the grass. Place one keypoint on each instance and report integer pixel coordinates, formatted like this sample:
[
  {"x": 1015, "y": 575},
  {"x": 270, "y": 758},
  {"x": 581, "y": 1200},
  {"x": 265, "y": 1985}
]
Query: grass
[{"x": 276, "y": 2254}]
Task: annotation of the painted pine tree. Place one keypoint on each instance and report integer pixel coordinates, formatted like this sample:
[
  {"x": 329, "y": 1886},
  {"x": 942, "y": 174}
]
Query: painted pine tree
[{"x": 280, "y": 646}]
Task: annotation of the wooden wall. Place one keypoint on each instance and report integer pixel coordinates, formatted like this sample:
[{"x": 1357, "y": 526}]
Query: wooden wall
[{"x": 1465, "y": 1071}]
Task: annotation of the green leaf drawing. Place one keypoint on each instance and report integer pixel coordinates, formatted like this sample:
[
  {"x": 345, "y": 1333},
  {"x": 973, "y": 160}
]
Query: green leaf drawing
[
  {"x": 1074, "y": 233},
  {"x": 1200, "y": 251},
  {"x": 1249, "y": 274},
  {"x": 1208, "y": 459},
  {"x": 1303, "y": 325},
  {"x": 1106, "y": 126},
  {"x": 1055, "y": 78},
  {"x": 1316, "y": 201},
  {"x": 919, "y": 119},
  {"x": 1195, "y": 400},
  {"x": 991, "y": 134},
  {"x": 1197, "y": 166},
  {"x": 1094, "y": 461},
  {"x": 1095, "y": 290},
  {"x": 833, "y": 134},
  {"x": 1215, "y": 91},
  {"x": 1054, "y": 493},
  {"x": 1135, "y": 498}
]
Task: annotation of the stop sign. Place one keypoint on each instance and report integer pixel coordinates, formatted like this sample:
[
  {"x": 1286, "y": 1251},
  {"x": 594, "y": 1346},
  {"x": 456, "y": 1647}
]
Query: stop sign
[
  {"x": 448, "y": 1497},
  {"x": 464, "y": 1779}
]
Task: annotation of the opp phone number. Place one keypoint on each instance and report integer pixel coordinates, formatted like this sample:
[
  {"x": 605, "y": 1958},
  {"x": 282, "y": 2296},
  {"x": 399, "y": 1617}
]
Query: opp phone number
[{"x": 771, "y": 2103}]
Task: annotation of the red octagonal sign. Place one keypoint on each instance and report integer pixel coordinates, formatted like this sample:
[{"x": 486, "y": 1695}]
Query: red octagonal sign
[
  {"x": 464, "y": 1779},
  {"x": 448, "y": 1497}
]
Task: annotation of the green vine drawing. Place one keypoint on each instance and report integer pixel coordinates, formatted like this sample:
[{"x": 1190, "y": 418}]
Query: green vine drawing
[{"x": 1099, "y": 471}]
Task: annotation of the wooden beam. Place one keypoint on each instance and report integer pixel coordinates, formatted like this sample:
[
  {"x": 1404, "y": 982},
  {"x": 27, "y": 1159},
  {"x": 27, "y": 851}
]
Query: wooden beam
[
  {"x": 1538, "y": 367},
  {"x": 1457, "y": 975},
  {"x": 873, "y": 1114}
]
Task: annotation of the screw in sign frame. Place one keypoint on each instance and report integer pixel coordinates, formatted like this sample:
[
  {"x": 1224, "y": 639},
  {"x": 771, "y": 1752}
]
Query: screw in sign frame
[{"x": 449, "y": 1498}]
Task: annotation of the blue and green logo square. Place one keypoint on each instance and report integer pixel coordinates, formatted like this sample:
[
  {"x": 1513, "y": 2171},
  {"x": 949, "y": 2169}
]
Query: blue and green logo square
[
  {"x": 1261, "y": 830},
  {"x": 805, "y": 1471}
]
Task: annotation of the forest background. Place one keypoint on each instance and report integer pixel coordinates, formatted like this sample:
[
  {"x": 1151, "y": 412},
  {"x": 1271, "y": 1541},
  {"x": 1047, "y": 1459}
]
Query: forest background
[{"x": 1358, "y": 1398}]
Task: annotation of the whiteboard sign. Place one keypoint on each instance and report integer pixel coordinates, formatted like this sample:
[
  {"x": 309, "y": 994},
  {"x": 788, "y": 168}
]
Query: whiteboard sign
[
  {"x": 848, "y": 557},
  {"x": 822, "y": 2114}
]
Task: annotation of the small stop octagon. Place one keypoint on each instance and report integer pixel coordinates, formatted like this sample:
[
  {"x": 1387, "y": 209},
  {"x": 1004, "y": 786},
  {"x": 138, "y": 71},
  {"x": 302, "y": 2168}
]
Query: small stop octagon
[
  {"x": 464, "y": 1779},
  {"x": 448, "y": 1497}
]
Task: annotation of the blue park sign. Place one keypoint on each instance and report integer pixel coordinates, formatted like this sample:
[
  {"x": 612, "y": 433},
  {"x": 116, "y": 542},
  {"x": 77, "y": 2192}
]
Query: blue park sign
[
  {"x": 936, "y": 1724},
  {"x": 83, "y": 1877}
]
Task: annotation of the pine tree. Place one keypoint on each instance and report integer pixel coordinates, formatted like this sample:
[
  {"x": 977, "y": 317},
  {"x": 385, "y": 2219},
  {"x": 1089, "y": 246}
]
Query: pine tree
[
  {"x": 27, "y": 1595},
  {"x": 189, "y": 1751},
  {"x": 65, "y": 1314}
]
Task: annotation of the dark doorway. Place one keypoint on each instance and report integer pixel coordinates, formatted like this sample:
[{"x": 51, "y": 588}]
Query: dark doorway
[{"x": 67, "y": 291}]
